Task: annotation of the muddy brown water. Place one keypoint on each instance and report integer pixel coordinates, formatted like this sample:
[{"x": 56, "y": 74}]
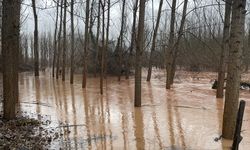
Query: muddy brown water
[{"x": 187, "y": 117}]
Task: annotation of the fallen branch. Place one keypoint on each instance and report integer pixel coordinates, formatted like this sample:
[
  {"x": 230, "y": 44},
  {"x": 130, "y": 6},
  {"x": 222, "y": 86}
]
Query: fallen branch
[
  {"x": 192, "y": 107},
  {"x": 73, "y": 125},
  {"x": 36, "y": 103}
]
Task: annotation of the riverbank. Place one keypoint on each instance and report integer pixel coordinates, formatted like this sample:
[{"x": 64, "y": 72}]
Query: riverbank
[{"x": 26, "y": 132}]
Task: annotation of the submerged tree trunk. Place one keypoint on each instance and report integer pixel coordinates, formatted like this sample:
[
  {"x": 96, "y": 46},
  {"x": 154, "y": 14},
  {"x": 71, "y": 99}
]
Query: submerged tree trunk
[
  {"x": 139, "y": 50},
  {"x": 10, "y": 51},
  {"x": 72, "y": 44},
  {"x": 103, "y": 47},
  {"x": 224, "y": 51},
  {"x": 107, "y": 41},
  {"x": 120, "y": 46},
  {"x": 36, "y": 53},
  {"x": 170, "y": 45},
  {"x": 234, "y": 68},
  {"x": 133, "y": 37},
  {"x": 154, "y": 41},
  {"x": 64, "y": 40},
  {"x": 177, "y": 43},
  {"x": 174, "y": 48},
  {"x": 97, "y": 62},
  {"x": 86, "y": 45},
  {"x": 59, "y": 43}
]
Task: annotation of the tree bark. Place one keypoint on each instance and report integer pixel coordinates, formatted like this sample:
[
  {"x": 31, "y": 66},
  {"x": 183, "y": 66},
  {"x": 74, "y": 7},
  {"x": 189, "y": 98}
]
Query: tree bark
[
  {"x": 64, "y": 40},
  {"x": 36, "y": 53},
  {"x": 154, "y": 41},
  {"x": 86, "y": 43},
  {"x": 139, "y": 50},
  {"x": 72, "y": 44},
  {"x": 10, "y": 51},
  {"x": 234, "y": 68},
  {"x": 224, "y": 51}
]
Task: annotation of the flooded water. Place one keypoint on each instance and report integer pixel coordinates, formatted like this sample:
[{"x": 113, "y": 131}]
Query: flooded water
[{"x": 187, "y": 117}]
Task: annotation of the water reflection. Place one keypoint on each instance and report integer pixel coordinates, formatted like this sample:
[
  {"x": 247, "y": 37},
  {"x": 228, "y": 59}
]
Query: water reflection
[
  {"x": 74, "y": 116},
  {"x": 37, "y": 84},
  {"x": 139, "y": 129},
  {"x": 186, "y": 117},
  {"x": 87, "y": 119}
]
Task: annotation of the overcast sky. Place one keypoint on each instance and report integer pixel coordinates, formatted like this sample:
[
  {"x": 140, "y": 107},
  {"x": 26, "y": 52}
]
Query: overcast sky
[{"x": 46, "y": 16}]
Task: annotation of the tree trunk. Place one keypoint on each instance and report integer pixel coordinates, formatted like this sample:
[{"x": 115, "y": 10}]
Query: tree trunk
[
  {"x": 107, "y": 42},
  {"x": 10, "y": 51},
  {"x": 32, "y": 48},
  {"x": 59, "y": 43},
  {"x": 247, "y": 51},
  {"x": 170, "y": 45},
  {"x": 139, "y": 50},
  {"x": 97, "y": 62},
  {"x": 36, "y": 53},
  {"x": 86, "y": 43},
  {"x": 55, "y": 40},
  {"x": 173, "y": 52},
  {"x": 133, "y": 37},
  {"x": 72, "y": 44},
  {"x": 154, "y": 41},
  {"x": 26, "y": 47},
  {"x": 234, "y": 68},
  {"x": 64, "y": 40},
  {"x": 224, "y": 51},
  {"x": 177, "y": 43},
  {"x": 103, "y": 46},
  {"x": 120, "y": 46}
]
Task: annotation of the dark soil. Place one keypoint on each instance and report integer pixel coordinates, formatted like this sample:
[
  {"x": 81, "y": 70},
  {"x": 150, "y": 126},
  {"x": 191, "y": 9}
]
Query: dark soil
[{"x": 25, "y": 133}]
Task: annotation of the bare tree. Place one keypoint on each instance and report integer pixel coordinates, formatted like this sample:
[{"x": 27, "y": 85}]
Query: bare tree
[
  {"x": 72, "y": 43},
  {"x": 10, "y": 50},
  {"x": 170, "y": 44},
  {"x": 120, "y": 41},
  {"x": 86, "y": 44},
  {"x": 234, "y": 68},
  {"x": 59, "y": 42},
  {"x": 97, "y": 37},
  {"x": 26, "y": 47},
  {"x": 107, "y": 40},
  {"x": 225, "y": 48},
  {"x": 133, "y": 37},
  {"x": 64, "y": 40},
  {"x": 174, "y": 45},
  {"x": 32, "y": 47},
  {"x": 36, "y": 53},
  {"x": 103, "y": 47},
  {"x": 154, "y": 41},
  {"x": 55, "y": 40},
  {"x": 139, "y": 50}
]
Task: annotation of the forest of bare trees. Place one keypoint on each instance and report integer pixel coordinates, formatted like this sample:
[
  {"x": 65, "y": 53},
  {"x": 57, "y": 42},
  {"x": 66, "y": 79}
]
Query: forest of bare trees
[{"x": 121, "y": 38}]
